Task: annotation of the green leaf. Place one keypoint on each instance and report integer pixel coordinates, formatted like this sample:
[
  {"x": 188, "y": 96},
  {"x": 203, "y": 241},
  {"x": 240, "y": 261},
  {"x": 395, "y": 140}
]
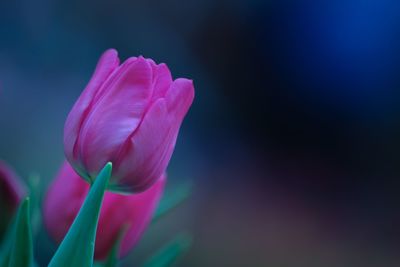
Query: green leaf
[
  {"x": 112, "y": 259},
  {"x": 21, "y": 254},
  {"x": 77, "y": 248},
  {"x": 173, "y": 200},
  {"x": 34, "y": 195},
  {"x": 5, "y": 248},
  {"x": 169, "y": 254},
  {"x": 5, "y": 258}
]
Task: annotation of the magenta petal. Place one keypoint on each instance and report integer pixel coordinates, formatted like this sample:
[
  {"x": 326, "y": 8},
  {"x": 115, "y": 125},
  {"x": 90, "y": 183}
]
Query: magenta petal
[
  {"x": 141, "y": 213},
  {"x": 65, "y": 197},
  {"x": 129, "y": 115},
  {"x": 179, "y": 98},
  {"x": 151, "y": 146},
  {"x": 108, "y": 62},
  {"x": 146, "y": 157},
  {"x": 116, "y": 115},
  {"x": 135, "y": 211},
  {"x": 63, "y": 201},
  {"x": 162, "y": 80}
]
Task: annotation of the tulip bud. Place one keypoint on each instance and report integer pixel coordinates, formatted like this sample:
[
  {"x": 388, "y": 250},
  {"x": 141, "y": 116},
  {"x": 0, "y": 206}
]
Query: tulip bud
[
  {"x": 11, "y": 193},
  {"x": 66, "y": 195},
  {"x": 130, "y": 115}
]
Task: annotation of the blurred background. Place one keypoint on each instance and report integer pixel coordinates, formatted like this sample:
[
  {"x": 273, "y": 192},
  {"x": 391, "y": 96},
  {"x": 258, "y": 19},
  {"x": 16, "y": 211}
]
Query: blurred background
[{"x": 293, "y": 139}]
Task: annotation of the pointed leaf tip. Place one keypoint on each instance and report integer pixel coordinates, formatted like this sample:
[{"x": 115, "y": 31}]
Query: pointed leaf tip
[{"x": 77, "y": 248}]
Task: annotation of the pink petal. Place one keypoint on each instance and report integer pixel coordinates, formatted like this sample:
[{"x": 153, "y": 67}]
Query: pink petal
[
  {"x": 142, "y": 213},
  {"x": 108, "y": 62},
  {"x": 66, "y": 195},
  {"x": 116, "y": 114},
  {"x": 63, "y": 201},
  {"x": 134, "y": 211},
  {"x": 179, "y": 98},
  {"x": 162, "y": 80},
  {"x": 146, "y": 156}
]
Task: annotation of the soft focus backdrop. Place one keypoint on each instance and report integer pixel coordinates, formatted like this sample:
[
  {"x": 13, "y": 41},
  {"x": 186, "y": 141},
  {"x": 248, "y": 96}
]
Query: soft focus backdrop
[{"x": 292, "y": 142}]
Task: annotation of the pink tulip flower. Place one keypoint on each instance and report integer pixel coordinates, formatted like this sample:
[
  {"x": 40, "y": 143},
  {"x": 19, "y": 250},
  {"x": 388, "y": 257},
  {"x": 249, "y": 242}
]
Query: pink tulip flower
[
  {"x": 66, "y": 195},
  {"x": 129, "y": 114},
  {"x": 11, "y": 193}
]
